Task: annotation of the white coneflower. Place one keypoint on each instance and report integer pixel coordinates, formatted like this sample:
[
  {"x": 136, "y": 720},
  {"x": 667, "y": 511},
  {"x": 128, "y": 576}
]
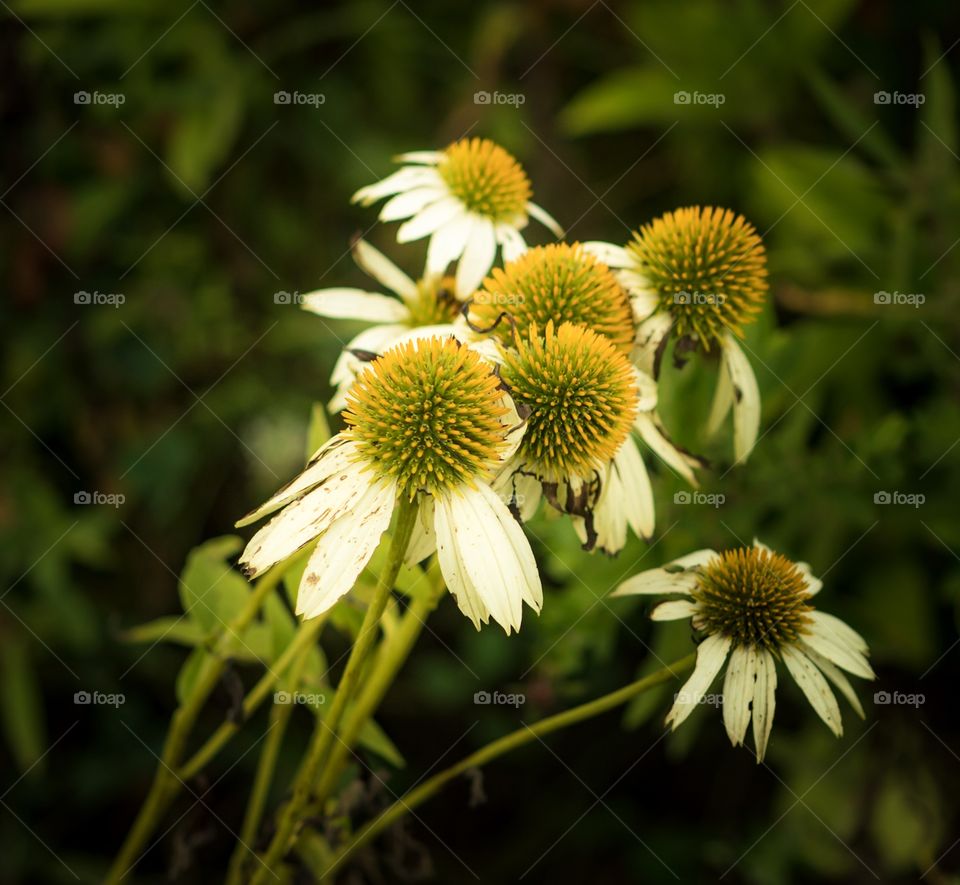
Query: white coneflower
[
  {"x": 471, "y": 200},
  {"x": 430, "y": 422},
  {"x": 428, "y": 302},
  {"x": 701, "y": 274},
  {"x": 753, "y": 607},
  {"x": 581, "y": 397}
]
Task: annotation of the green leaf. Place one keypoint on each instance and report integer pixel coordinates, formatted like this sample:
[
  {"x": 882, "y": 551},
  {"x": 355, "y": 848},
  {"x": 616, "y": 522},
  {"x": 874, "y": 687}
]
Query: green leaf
[
  {"x": 211, "y": 591},
  {"x": 189, "y": 673},
  {"x": 173, "y": 628},
  {"x": 622, "y": 100},
  {"x": 21, "y": 702},
  {"x": 372, "y": 737}
]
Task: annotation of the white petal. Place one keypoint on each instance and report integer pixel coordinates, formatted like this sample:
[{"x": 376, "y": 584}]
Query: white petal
[
  {"x": 654, "y": 437},
  {"x": 345, "y": 549},
  {"x": 304, "y": 519},
  {"x": 451, "y": 565},
  {"x": 423, "y": 542},
  {"x": 382, "y": 269},
  {"x": 430, "y": 219},
  {"x": 650, "y": 334},
  {"x": 738, "y": 688},
  {"x": 635, "y": 488},
  {"x": 840, "y": 653},
  {"x": 711, "y": 653},
  {"x": 430, "y": 158},
  {"x": 545, "y": 218},
  {"x": 609, "y": 516},
  {"x": 746, "y": 405},
  {"x": 355, "y": 304},
  {"x": 402, "y": 180},
  {"x": 839, "y": 631},
  {"x": 814, "y": 686},
  {"x": 410, "y": 202},
  {"x": 517, "y": 488},
  {"x": 608, "y": 253},
  {"x": 674, "y": 610},
  {"x": 494, "y": 553},
  {"x": 814, "y": 584},
  {"x": 764, "y": 700},
  {"x": 722, "y": 400},
  {"x": 646, "y": 391},
  {"x": 448, "y": 243},
  {"x": 336, "y": 455},
  {"x": 376, "y": 339},
  {"x": 835, "y": 675},
  {"x": 511, "y": 241},
  {"x": 477, "y": 257},
  {"x": 657, "y": 582}
]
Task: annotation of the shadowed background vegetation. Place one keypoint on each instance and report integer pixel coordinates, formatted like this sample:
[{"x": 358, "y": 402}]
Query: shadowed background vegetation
[{"x": 199, "y": 199}]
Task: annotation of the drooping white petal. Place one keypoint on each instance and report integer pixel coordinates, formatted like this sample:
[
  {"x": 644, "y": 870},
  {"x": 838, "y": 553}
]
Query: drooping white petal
[
  {"x": 423, "y": 541},
  {"x": 511, "y": 241},
  {"x": 746, "y": 398},
  {"x": 764, "y": 700},
  {"x": 836, "y": 629},
  {"x": 304, "y": 519},
  {"x": 452, "y": 567},
  {"x": 493, "y": 551},
  {"x": 738, "y": 688},
  {"x": 447, "y": 244},
  {"x": 408, "y": 203},
  {"x": 608, "y": 253},
  {"x": 427, "y": 220},
  {"x": 650, "y": 335},
  {"x": 545, "y": 218},
  {"x": 835, "y": 675},
  {"x": 635, "y": 488},
  {"x": 382, "y": 269},
  {"x": 711, "y": 653},
  {"x": 403, "y": 179},
  {"x": 344, "y": 550},
  {"x": 657, "y": 582},
  {"x": 722, "y": 400},
  {"x": 355, "y": 304},
  {"x": 430, "y": 158},
  {"x": 829, "y": 644},
  {"x": 814, "y": 584},
  {"x": 652, "y": 434},
  {"x": 814, "y": 686},
  {"x": 518, "y": 488},
  {"x": 609, "y": 516},
  {"x": 477, "y": 258},
  {"x": 646, "y": 391},
  {"x": 337, "y": 454},
  {"x": 674, "y": 610}
]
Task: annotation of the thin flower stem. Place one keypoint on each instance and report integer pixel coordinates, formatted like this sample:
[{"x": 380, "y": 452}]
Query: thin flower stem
[
  {"x": 266, "y": 765},
  {"x": 391, "y": 657},
  {"x": 166, "y": 783},
  {"x": 326, "y": 728},
  {"x": 499, "y": 747}
]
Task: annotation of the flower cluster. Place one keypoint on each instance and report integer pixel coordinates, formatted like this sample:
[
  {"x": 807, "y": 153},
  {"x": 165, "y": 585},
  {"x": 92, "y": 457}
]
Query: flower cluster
[{"x": 506, "y": 378}]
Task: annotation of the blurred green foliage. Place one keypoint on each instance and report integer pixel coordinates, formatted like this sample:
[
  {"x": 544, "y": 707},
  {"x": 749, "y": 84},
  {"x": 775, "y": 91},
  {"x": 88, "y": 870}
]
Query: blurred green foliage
[{"x": 199, "y": 199}]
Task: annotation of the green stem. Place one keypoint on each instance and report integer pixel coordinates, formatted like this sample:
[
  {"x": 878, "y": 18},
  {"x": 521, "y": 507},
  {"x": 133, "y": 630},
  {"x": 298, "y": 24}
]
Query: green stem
[
  {"x": 326, "y": 728},
  {"x": 499, "y": 747},
  {"x": 391, "y": 657},
  {"x": 266, "y": 765},
  {"x": 166, "y": 784}
]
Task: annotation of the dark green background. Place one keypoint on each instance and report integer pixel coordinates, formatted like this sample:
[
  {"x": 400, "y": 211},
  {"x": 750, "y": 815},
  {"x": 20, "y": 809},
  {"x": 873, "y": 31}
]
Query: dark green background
[{"x": 199, "y": 198}]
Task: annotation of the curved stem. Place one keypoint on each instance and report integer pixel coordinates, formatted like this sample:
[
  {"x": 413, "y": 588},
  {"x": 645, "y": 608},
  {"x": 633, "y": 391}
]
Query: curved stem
[
  {"x": 166, "y": 783},
  {"x": 325, "y": 729},
  {"x": 503, "y": 745},
  {"x": 391, "y": 657}
]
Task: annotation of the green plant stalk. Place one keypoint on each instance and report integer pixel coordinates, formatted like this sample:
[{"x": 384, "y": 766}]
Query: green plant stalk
[
  {"x": 165, "y": 782},
  {"x": 266, "y": 765},
  {"x": 499, "y": 747},
  {"x": 326, "y": 728},
  {"x": 393, "y": 653},
  {"x": 307, "y": 633}
]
